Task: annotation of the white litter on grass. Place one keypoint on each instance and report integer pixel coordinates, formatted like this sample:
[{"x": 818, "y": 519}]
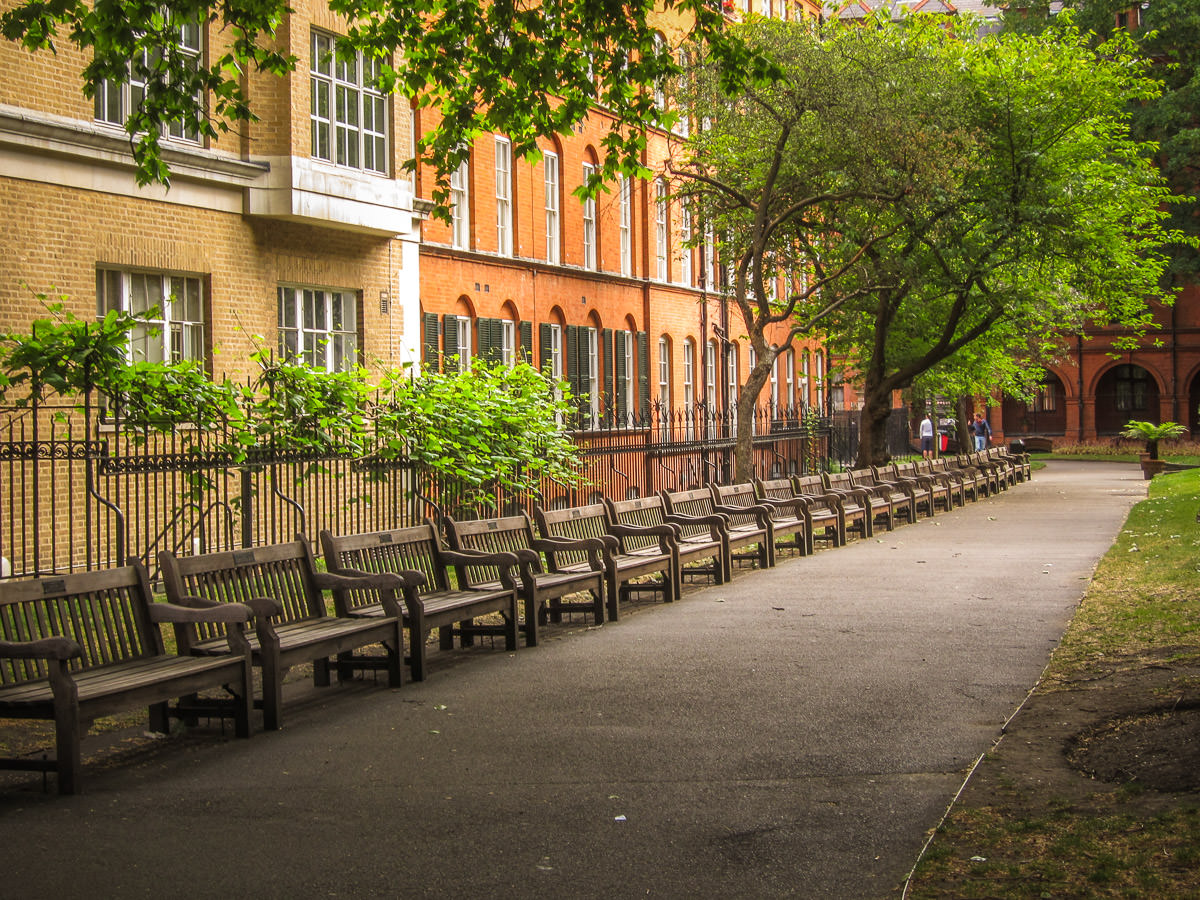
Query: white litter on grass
[{"x": 619, "y": 819}]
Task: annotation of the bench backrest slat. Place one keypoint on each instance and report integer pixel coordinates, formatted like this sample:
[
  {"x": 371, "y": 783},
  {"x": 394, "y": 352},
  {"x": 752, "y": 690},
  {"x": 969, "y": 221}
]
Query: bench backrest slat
[
  {"x": 777, "y": 488},
  {"x": 737, "y": 495},
  {"x": 103, "y": 611},
  {"x": 642, "y": 512},
  {"x": 576, "y": 523},
  {"x": 281, "y": 572},
  {"x": 402, "y": 549},
  {"x": 506, "y": 534}
]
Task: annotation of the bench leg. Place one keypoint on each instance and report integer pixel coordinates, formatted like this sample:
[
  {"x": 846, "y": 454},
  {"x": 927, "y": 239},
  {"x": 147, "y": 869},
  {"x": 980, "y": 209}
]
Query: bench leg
[
  {"x": 531, "y": 621},
  {"x": 272, "y": 685},
  {"x": 418, "y": 636},
  {"x": 243, "y": 701},
  {"x": 321, "y": 672},
  {"x": 67, "y": 732},
  {"x": 511, "y": 629},
  {"x": 395, "y": 658},
  {"x": 613, "y": 587},
  {"x": 160, "y": 718}
]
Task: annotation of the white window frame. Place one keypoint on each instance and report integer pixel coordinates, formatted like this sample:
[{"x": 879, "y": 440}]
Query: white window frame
[
  {"x": 508, "y": 342},
  {"x": 804, "y": 379},
  {"x": 556, "y": 354},
  {"x": 819, "y": 378},
  {"x": 626, "y": 226},
  {"x": 733, "y": 383},
  {"x": 319, "y": 340},
  {"x": 664, "y": 373},
  {"x": 115, "y": 101},
  {"x": 685, "y": 235},
  {"x": 551, "y": 204},
  {"x": 176, "y": 333},
  {"x": 347, "y": 114},
  {"x": 589, "y": 223},
  {"x": 463, "y": 324},
  {"x": 504, "y": 219},
  {"x": 662, "y": 269},
  {"x": 775, "y": 379},
  {"x": 630, "y": 379},
  {"x": 689, "y": 373},
  {"x": 710, "y": 258},
  {"x": 789, "y": 373},
  {"x": 460, "y": 209},
  {"x": 593, "y": 354}
]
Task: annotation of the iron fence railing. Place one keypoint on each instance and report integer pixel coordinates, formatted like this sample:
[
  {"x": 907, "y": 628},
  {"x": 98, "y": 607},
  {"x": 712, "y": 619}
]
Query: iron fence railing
[{"x": 80, "y": 492}]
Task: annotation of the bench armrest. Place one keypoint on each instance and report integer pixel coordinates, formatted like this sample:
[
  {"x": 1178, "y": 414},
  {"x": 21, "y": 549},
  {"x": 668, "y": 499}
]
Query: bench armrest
[
  {"x": 718, "y": 525},
  {"x": 344, "y": 580},
  {"x": 760, "y": 511},
  {"x": 592, "y": 546},
  {"x": 478, "y": 558},
  {"x": 55, "y": 647},
  {"x": 410, "y": 577},
  {"x": 189, "y": 612}
]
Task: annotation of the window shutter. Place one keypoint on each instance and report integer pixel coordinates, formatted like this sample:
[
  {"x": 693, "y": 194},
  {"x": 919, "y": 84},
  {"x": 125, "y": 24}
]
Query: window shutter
[
  {"x": 429, "y": 328},
  {"x": 622, "y": 379},
  {"x": 526, "y": 348},
  {"x": 489, "y": 339},
  {"x": 449, "y": 341},
  {"x": 544, "y": 346},
  {"x": 571, "y": 348},
  {"x": 606, "y": 363},
  {"x": 643, "y": 374}
]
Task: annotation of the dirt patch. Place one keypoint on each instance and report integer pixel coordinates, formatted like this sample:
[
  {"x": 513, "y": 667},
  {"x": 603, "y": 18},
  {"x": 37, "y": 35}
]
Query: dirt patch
[
  {"x": 1094, "y": 790},
  {"x": 1158, "y": 750}
]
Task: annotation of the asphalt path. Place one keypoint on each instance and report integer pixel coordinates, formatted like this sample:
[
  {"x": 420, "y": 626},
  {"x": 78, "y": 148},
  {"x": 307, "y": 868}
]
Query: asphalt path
[{"x": 795, "y": 733}]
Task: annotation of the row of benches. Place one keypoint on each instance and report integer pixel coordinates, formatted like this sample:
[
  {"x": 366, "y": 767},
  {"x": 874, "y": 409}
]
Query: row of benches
[{"x": 79, "y": 646}]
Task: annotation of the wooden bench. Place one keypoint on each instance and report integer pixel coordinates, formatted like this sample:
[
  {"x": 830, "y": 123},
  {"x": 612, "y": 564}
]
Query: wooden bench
[
  {"x": 543, "y": 588},
  {"x": 905, "y": 499},
  {"x": 974, "y": 481},
  {"x": 1017, "y": 465},
  {"x": 878, "y": 508},
  {"x": 990, "y": 472},
  {"x": 786, "y": 521},
  {"x": 430, "y": 601},
  {"x": 281, "y": 584},
  {"x": 700, "y": 541},
  {"x": 961, "y": 488},
  {"x": 79, "y": 646},
  {"x": 938, "y": 490},
  {"x": 826, "y": 513},
  {"x": 694, "y": 509},
  {"x": 629, "y": 552}
]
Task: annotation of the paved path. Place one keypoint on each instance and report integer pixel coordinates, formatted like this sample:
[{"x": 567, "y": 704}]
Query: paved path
[{"x": 793, "y": 734}]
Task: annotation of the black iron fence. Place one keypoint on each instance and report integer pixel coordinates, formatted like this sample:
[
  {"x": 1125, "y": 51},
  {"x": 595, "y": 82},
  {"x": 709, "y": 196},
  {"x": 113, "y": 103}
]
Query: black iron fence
[{"x": 79, "y": 492}]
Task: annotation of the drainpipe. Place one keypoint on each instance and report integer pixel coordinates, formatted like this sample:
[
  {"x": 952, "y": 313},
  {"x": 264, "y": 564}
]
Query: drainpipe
[{"x": 1079, "y": 355}]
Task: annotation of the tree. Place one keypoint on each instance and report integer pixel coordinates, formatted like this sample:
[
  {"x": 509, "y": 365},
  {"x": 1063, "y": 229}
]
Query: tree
[
  {"x": 526, "y": 70},
  {"x": 1168, "y": 33},
  {"x": 778, "y": 166},
  {"x": 1037, "y": 214}
]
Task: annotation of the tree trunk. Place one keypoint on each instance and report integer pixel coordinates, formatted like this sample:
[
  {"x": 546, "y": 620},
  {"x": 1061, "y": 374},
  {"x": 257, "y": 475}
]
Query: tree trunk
[
  {"x": 747, "y": 406},
  {"x": 872, "y": 427}
]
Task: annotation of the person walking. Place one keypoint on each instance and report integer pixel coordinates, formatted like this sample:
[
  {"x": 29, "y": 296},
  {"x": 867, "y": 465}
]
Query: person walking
[
  {"x": 983, "y": 432},
  {"x": 927, "y": 437}
]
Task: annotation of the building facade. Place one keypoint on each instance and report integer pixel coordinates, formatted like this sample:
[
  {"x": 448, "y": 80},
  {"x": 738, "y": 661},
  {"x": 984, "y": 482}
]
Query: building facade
[{"x": 298, "y": 232}]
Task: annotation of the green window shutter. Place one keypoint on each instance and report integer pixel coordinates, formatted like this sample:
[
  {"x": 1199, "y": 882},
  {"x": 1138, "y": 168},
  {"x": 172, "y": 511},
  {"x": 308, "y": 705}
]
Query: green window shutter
[
  {"x": 449, "y": 342},
  {"x": 643, "y": 374},
  {"x": 622, "y": 378},
  {"x": 571, "y": 348},
  {"x": 489, "y": 339},
  {"x": 526, "y": 348},
  {"x": 429, "y": 330},
  {"x": 606, "y": 363},
  {"x": 544, "y": 362}
]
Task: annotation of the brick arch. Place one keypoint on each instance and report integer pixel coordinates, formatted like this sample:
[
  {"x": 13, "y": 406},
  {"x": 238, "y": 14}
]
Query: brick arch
[
  {"x": 464, "y": 306},
  {"x": 1122, "y": 393}
]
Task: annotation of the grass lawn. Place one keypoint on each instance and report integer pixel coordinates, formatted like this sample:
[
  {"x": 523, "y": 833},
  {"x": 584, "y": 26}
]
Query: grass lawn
[{"x": 1094, "y": 791}]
